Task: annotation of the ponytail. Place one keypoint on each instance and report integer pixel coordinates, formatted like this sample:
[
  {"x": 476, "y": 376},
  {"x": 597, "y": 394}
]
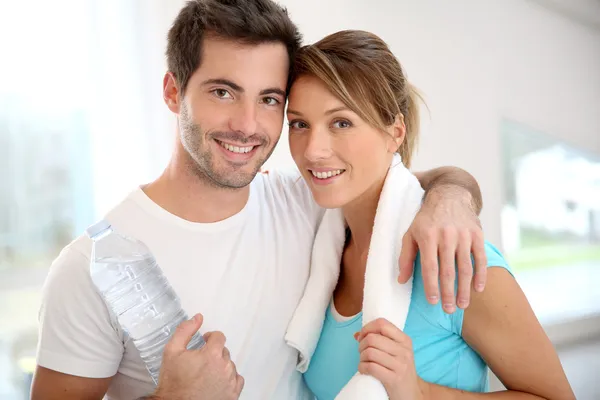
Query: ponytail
[{"x": 410, "y": 109}]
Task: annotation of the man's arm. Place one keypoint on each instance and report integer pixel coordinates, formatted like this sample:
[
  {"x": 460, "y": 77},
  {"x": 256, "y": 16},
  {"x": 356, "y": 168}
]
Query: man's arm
[
  {"x": 52, "y": 385},
  {"x": 446, "y": 232},
  {"x": 79, "y": 349},
  {"x": 451, "y": 181}
]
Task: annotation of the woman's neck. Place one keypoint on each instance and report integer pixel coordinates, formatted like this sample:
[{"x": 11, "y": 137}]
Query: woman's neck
[{"x": 360, "y": 217}]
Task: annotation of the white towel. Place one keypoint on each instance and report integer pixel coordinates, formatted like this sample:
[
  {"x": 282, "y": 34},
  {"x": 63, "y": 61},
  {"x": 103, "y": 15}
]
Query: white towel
[{"x": 384, "y": 297}]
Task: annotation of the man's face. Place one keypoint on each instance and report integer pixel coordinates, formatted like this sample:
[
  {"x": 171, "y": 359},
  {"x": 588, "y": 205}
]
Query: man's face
[{"x": 231, "y": 115}]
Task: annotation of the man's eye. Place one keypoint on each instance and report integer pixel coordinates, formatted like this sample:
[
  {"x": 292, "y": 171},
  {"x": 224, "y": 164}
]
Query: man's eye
[
  {"x": 222, "y": 93},
  {"x": 270, "y": 101}
]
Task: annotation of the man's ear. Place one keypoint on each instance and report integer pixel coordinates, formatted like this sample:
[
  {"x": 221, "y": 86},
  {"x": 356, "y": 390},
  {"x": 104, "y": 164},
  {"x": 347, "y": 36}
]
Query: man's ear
[
  {"x": 398, "y": 131},
  {"x": 171, "y": 93}
]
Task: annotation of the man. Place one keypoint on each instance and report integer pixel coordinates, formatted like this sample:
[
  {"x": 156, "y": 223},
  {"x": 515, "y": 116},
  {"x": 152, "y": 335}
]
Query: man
[{"x": 234, "y": 244}]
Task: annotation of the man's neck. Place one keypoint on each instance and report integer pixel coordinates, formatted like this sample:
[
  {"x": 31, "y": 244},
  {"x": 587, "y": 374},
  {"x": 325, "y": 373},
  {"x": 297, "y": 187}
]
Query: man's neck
[{"x": 182, "y": 192}]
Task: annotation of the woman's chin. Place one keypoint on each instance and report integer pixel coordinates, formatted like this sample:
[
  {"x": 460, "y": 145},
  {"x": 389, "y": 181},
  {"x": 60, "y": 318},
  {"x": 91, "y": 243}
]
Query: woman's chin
[{"x": 329, "y": 201}]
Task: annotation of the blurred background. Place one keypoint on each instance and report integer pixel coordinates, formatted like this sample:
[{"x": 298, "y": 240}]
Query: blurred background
[{"x": 512, "y": 86}]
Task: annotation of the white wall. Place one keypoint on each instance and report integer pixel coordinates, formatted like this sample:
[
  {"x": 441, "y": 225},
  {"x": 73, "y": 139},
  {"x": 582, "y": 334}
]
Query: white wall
[{"x": 475, "y": 61}]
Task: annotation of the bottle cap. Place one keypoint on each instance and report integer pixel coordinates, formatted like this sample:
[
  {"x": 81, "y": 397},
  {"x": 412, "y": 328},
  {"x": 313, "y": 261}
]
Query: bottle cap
[{"x": 97, "y": 228}]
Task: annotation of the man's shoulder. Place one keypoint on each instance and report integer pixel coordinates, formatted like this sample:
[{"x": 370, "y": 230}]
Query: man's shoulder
[
  {"x": 132, "y": 203},
  {"x": 285, "y": 191},
  {"x": 80, "y": 248},
  {"x": 281, "y": 177},
  {"x": 71, "y": 265},
  {"x": 284, "y": 182},
  {"x": 287, "y": 188}
]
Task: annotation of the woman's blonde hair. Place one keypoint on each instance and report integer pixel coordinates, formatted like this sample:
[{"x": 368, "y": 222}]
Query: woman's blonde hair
[{"x": 359, "y": 68}]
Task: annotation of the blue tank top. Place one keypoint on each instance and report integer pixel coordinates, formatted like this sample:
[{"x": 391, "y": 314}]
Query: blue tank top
[{"x": 441, "y": 354}]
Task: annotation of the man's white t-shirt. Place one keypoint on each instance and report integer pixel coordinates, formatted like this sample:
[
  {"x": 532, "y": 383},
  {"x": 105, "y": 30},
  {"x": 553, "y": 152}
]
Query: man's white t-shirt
[{"x": 245, "y": 274}]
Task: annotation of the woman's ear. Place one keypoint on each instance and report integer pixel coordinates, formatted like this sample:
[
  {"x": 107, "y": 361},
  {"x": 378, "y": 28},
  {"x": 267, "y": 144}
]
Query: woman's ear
[{"x": 398, "y": 133}]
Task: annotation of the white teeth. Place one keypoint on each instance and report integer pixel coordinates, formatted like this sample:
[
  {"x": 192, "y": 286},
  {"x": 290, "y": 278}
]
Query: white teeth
[
  {"x": 325, "y": 175},
  {"x": 236, "y": 149}
]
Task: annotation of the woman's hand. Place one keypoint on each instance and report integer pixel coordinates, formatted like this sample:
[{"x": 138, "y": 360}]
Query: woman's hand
[{"x": 386, "y": 353}]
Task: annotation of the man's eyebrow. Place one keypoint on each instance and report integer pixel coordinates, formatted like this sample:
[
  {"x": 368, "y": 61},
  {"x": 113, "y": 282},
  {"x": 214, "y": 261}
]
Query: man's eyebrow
[
  {"x": 273, "y": 90},
  {"x": 226, "y": 82},
  {"x": 238, "y": 88}
]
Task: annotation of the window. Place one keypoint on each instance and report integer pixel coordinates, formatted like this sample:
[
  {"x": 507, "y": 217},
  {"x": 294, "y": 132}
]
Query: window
[
  {"x": 551, "y": 223},
  {"x": 71, "y": 116}
]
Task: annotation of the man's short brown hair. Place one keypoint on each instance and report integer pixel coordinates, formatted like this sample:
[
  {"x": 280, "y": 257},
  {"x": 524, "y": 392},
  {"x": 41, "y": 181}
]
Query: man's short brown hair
[{"x": 246, "y": 21}]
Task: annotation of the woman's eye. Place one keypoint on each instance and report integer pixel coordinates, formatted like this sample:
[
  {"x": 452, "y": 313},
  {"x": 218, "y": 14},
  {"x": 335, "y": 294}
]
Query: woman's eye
[
  {"x": 298, "y": 125},
  {"x": 342, "y": 124}
]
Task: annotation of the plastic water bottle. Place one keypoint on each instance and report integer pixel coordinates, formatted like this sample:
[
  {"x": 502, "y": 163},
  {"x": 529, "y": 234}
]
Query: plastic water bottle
[{"x": 137, "y": 293}]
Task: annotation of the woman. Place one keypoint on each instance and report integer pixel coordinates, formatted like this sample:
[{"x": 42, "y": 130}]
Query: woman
[{"x": 350, "y": 109}]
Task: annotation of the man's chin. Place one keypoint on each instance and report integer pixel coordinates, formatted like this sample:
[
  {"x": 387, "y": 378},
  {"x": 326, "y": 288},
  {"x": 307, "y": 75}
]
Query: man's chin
[{"x": 236, "y": 178}]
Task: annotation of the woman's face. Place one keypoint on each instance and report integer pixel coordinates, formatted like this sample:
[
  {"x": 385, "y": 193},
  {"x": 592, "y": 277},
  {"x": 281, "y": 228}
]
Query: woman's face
[{"x": 342, "y": 157}]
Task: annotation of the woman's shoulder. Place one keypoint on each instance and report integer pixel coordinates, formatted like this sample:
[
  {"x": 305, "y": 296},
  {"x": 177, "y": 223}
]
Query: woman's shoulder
[
  {"x": 494, "y": 257},
  {"x": 429, "y": 316}
]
